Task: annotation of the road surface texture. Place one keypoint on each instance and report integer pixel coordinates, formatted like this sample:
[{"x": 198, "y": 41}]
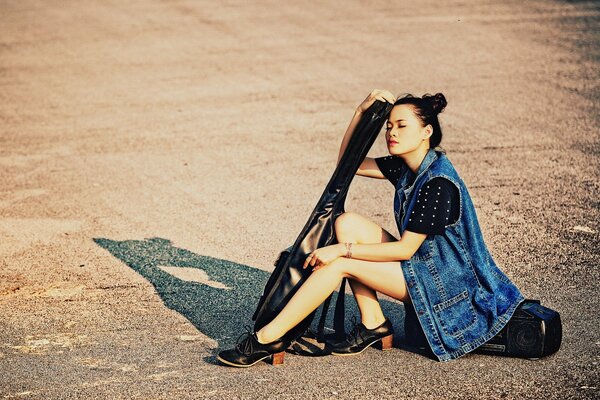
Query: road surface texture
[{"x": 156, "y": 156}]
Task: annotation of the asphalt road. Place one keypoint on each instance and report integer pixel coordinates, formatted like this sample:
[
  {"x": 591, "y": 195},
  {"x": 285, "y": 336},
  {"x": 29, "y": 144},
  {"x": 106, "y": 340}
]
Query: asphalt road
[{"x": 156, "y": 156}]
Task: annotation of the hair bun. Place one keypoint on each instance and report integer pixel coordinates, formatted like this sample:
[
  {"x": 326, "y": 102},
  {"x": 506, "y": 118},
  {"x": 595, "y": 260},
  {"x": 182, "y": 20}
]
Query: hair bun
[{"x": 438, "y": 102}]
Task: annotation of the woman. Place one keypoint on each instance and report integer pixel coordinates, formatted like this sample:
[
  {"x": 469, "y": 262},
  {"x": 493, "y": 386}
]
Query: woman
[{"x": 440, "y": 266}]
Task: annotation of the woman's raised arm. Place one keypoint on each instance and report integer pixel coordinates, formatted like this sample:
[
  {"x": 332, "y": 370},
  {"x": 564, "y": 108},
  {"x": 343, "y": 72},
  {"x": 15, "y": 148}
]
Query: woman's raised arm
[{"x": 368, "y": 167}]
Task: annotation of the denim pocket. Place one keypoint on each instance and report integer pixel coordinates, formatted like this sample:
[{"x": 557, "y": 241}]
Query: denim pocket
[{"x": 455, "y": 314}]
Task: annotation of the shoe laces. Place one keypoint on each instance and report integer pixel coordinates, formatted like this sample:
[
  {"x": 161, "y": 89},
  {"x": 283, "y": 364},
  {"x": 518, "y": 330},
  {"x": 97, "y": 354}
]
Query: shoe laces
[
  {"x": 356, "y": 332},
  {"x": 244, "y": 343}
]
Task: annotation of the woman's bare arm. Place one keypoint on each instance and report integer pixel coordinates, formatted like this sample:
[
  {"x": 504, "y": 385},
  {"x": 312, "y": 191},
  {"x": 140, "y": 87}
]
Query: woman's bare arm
[
  {"x": 368, "y": 167},
  {"x": 402, "y": 249},
  {"x": 349, "y": 131}
]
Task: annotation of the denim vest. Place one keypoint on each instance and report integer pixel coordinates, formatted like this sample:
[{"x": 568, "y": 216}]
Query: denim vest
[{"x": 461, "y": 298}]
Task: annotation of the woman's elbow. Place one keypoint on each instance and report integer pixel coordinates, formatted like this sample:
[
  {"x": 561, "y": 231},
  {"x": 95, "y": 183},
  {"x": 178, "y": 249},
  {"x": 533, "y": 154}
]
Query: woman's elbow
[
  {"x": 409, "y": 245},
  {"x": 406, "y": 255}
]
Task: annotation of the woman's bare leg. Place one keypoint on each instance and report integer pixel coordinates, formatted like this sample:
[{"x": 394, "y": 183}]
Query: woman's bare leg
[
  {"x": 355, "y": 228},
  {"x": 384, "y": 277}
]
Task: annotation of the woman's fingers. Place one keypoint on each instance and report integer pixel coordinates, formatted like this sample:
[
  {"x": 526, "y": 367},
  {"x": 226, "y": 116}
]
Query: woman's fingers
[
  {"x": 312, "y": 260},
  {"x": 376, "y": 94},
  {"x": 383, "y": 95},
  {"x": 306, "y": 261},
  {"x": 317, "y": 266},
  {"x": 388, "y": 96}
]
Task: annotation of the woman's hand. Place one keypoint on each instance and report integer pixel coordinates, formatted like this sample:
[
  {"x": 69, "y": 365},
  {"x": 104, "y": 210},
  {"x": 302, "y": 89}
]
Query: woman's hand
[
  {"x": 376, "y": 94},
  {"x": 323, "y": 256}
]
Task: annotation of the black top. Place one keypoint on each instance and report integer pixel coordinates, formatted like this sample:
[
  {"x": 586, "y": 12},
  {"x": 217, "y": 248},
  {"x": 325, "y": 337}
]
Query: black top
[
  {"x": 391, "y": 167},
  {"x": 437, "y": 203}
]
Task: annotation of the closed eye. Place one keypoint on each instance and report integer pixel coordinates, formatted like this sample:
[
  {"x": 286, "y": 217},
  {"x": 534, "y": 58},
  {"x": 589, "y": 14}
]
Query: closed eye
[{"x": 399, "y": 126}]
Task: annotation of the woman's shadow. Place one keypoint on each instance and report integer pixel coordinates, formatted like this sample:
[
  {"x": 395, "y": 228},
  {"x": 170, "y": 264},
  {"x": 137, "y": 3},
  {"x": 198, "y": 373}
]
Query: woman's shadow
[{"x": 217, "y": 296}]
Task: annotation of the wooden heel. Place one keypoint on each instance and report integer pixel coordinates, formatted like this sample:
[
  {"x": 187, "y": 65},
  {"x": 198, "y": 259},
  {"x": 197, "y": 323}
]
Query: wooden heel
[
  {"x": 386, "y": 342},
  {"x": 277, "y": 358}
]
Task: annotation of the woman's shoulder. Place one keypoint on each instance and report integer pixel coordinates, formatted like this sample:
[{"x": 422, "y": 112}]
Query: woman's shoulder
[
  {"x": 441, "y": 184},
  {"x": 390, "y": 159},
  {"x": 443, "y": 167},
  {"x": 392, "y": 167}
]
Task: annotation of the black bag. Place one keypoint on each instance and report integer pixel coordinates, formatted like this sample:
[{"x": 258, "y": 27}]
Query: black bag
[
  {"x": 318, "y": 232},
  {"x": 533, "y": 331}
]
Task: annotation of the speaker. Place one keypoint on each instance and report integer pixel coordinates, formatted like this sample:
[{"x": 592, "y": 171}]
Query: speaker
[{"x": 533, "y": 331}]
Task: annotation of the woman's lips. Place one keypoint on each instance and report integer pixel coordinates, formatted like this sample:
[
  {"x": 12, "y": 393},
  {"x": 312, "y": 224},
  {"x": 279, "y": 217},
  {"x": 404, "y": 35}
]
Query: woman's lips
[{"x": 391, "y": 143}]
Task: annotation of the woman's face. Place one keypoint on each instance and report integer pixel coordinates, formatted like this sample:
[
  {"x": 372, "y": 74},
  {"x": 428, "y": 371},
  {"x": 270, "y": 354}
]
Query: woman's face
[{"x": 404, "y": 132}]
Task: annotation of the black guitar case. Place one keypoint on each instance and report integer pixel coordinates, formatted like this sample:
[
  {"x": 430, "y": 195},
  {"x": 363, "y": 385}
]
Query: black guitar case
[{"x": 318, "y": 232}]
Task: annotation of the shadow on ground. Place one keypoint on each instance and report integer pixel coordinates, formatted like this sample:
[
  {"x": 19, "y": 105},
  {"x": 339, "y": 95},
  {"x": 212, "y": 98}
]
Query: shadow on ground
[{"x": 217, "y": 296}]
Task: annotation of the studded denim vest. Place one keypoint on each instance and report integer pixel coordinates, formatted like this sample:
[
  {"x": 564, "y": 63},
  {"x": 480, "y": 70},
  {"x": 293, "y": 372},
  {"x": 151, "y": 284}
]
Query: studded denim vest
[{"x": 461, "y": 298}]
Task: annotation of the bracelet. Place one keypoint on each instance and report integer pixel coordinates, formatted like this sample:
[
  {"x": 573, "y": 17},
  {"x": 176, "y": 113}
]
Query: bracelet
[{"x": 348, "y": 250}]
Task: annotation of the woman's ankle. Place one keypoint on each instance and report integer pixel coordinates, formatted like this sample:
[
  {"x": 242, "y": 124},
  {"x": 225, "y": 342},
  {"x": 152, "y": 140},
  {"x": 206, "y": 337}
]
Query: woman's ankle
[
  {"x": 263, "y": 338},
  {"x": 373, "y": 323}
]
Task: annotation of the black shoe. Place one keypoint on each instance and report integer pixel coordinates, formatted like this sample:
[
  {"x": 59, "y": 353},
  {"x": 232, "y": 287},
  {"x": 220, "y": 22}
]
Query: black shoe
[
  {"x": 360, "y": 338},
  {"x": 249, "y": 351}
]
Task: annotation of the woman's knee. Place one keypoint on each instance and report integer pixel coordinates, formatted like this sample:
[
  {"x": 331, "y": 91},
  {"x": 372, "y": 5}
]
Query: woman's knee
[
  {"x": 345, "y": 222},
  {"x": 351, "y": 226},
  {"x": 384, "y": 277},
  {"x": 339, "y": 267}
]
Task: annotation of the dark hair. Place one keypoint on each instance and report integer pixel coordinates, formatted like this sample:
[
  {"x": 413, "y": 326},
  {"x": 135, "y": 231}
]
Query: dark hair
[{"x": 427, "y": 108}]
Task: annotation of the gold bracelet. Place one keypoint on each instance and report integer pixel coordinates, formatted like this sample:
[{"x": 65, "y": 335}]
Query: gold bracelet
[{"x": 348, "y": 250}]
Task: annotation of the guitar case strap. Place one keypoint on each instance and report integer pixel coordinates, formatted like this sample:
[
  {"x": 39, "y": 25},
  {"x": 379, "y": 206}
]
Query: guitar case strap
[{"x": 318, "y": 232}]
